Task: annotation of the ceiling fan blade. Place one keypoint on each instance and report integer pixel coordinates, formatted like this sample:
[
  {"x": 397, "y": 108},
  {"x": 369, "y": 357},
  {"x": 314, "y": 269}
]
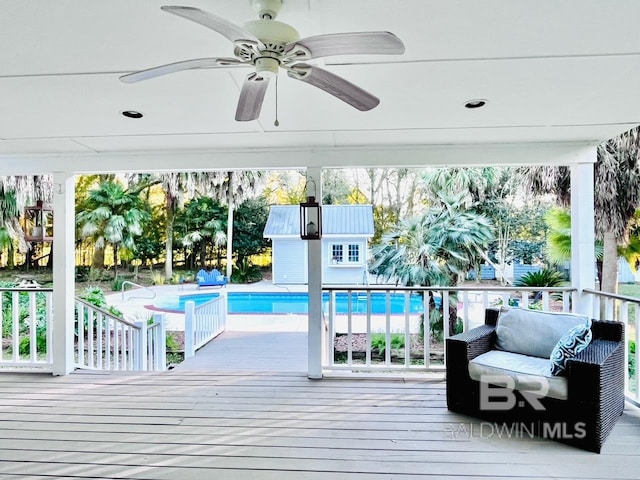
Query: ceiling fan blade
[
  {"x": 346, "y": 44},
  {"x": 178, "y": 67},
  {"x": 251, "y": 97},
  {"x": 336, "y": 86},
  {"x": 221, "y": 25}
]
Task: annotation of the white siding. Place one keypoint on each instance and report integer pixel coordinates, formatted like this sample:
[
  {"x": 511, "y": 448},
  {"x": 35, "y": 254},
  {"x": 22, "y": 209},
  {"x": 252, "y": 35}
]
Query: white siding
[
  {"x": 343, "y": 274},
  {"x": 289, "y": 261}
]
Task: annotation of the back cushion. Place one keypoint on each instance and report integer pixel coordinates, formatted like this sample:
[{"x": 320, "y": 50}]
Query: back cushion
[{"x": 531, "y": 332}]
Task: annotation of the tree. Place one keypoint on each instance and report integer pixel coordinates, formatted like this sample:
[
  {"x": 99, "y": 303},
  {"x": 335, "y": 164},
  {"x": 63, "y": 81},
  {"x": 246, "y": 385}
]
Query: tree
[
  {"x": 434, "y": 249},
  {"x": 250, "y": 220},
  {"x": 113, "y": 216},
  {"x": 176, "y": 186},
  {"x": 232, "y": 188},
  {"x": 16, "y": 192},
  {"x": 616, "y": 196},
  {"x": 201, "y": 224}
]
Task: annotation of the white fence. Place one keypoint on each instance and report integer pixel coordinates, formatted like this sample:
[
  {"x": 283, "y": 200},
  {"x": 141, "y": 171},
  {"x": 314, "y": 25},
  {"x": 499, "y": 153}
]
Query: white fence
[
  {"x": 25, "y": 329},
  {"x": 369, "y": 328},
  {"x": 204, "y": 323},
  {"x": 106, "y": 342}
]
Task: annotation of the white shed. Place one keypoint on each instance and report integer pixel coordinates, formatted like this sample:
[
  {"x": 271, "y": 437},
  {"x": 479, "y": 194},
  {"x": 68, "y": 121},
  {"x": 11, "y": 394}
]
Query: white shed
[{"x": 346, "y": 230}]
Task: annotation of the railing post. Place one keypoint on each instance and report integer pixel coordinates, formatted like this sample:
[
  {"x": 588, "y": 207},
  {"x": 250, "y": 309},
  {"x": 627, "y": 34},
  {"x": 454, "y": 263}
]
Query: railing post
[
  {"x": 161, "y": 342},
  {"x": 189, "y": 323},
  {"x": 140, "y": 352}
]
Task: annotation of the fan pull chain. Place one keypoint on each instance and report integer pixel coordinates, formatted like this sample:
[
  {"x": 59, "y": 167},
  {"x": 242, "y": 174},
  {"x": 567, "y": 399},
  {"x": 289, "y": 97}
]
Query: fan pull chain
[{"x": 276, "y": 123}]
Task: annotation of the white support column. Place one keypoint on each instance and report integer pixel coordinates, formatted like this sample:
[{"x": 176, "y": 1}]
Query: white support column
[
  {"x": 583, "y": 232},
  {"x": 314, "y": 262},
  {"x": 63, "y": 271}
]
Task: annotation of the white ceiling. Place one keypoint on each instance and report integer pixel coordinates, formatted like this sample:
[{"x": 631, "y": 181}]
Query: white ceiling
[{"x": 559, "y": 76}]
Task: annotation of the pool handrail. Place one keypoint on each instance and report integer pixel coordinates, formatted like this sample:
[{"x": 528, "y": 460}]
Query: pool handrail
[{"x": 127, "y": 282}]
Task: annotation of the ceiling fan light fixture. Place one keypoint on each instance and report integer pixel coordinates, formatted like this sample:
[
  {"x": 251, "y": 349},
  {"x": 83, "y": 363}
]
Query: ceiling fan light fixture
[
  {"x": 476, "y": 103},
  {"x": 267, "y": 67},
  {"x": 131, "y": 114}
]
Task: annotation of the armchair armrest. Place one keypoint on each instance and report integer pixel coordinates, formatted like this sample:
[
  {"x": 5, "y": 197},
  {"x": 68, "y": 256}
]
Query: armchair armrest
[
  {"x": 474, "y": 342},
  {"x": 460, "y": 349},
  {"x": 598, "y": 367}
]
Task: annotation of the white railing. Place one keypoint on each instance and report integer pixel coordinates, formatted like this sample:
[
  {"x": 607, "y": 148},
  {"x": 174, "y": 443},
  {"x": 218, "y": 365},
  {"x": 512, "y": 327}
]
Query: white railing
[
  {"x": 621, "y": 308},
  {"x": 25, "y": 329},
  {"x": 370, "y": 327},
  {"x": 204, "y": 323},
  {"x": 127, "y": 282},
  {"x": 106, "y": 342}
]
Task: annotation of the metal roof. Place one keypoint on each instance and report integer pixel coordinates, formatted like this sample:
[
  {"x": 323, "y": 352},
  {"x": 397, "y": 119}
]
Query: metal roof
[{"x": 284, "y": 220}]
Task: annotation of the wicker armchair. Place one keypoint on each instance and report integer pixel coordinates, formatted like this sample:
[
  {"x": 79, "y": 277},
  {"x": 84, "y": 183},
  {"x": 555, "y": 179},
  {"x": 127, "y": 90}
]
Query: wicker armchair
[{"x": 595, "y": 385}]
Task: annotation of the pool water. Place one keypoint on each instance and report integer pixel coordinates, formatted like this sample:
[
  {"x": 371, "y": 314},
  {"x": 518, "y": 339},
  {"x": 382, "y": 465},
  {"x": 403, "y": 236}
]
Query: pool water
[{"x": 292, "y": 303}]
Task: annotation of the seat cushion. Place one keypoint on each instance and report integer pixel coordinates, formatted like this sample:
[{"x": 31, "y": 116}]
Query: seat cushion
[
  {"x": 524, "y": 373},
  {"x": 569, "y": 345},
  {"x": 531, "y": 332}
]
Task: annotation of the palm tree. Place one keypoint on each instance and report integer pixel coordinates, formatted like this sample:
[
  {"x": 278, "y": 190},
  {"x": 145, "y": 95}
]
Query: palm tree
[
  {"x": 231, "y": 188},
  {"x": 434, "y": 249},
  {"x": 111, "y": 215},
  {"x": 201, "y": 224},
  {"x": 176, "y": 186},
  {"x": 616, "y": 196},
  {"x": 16, "y": 192}
]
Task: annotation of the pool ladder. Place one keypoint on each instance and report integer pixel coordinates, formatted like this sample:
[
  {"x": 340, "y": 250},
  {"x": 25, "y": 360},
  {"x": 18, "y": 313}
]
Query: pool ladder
[{"x": 127, "y": 282}]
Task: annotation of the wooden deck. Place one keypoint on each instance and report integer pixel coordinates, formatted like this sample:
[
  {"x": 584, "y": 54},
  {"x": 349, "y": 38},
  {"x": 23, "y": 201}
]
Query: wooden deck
[
  {"x": 251, "y": 351},
  {"x": 183, "y": 425}
]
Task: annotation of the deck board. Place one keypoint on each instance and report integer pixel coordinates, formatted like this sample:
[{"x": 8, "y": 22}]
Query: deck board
[{"x": 271, "y": 425}]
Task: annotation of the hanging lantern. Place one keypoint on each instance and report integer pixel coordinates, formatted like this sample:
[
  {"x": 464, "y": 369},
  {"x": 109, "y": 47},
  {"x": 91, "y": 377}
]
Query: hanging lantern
[{"x": 311, "y": 217}]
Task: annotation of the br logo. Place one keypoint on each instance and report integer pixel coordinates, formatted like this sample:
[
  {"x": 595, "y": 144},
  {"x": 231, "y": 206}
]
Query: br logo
[{"x": 496, "y": 391}]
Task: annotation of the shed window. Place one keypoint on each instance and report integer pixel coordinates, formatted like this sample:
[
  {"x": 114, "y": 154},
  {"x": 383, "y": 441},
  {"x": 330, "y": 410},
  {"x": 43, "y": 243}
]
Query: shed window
[{"x": 345, "y": 254}]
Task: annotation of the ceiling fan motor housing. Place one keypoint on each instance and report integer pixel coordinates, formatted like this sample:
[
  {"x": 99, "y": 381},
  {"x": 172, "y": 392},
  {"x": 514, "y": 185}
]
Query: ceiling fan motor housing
[
  {"x": 272, "y": 32},
  {"x": 267, "y": 9}
]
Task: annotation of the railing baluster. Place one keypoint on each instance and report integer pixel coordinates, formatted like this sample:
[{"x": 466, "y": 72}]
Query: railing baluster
[
  {"x": 107, "y": 347},
  {"x": 15, "y": 340},
  {"x": 387, "y": 330},
  {"x": 407, "y": 329},
  {"x": 624, "y": 318},
  {"x": 368, "y": 348},
  {"x": 636, "y": 355},
  {"x": 465, "y": 311},
  {"x": 349, "y": 329},
  {"x": 524, "y": 299},
  {"x": 332, "y": 327},
  {"x": 426, "y": 328},
  {"x": 100, "y": 341},
  {"x": 545, "y": 300}
]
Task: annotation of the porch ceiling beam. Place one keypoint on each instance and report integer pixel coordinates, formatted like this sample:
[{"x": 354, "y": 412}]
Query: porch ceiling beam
[{"x": 294, "y": 158}]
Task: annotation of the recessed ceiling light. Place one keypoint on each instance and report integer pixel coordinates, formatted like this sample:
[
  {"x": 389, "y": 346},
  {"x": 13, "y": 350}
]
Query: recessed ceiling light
[
  {"x": 477, "y": 103},
  {"x": 131, "y": 114}
]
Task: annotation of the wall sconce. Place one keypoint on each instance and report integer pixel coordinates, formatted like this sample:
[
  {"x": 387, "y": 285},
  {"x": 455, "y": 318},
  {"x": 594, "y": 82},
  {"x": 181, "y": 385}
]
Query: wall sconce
[{"x": 311, "y": 217}]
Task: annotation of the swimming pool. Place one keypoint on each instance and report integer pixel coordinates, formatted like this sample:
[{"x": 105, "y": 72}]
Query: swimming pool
[{"x": 292, "y": 303}]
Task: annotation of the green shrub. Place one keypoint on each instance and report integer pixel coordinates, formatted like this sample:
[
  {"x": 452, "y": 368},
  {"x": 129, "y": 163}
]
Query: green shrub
[
  {"x": 437, "y": 326},
  {"x": 246, "y": 272},
  {"x": 172, "y": 343},
  {"x": 158, "y": 278},
  {"x": 542, "y": 278},
  {"x": 116, "y": 284},
  {"x": 379, "y": 342},
  {"x": 95, "y": 296}
]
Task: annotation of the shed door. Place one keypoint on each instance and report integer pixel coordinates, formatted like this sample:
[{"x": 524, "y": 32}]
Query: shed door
[{"x": 290, "y": 261}]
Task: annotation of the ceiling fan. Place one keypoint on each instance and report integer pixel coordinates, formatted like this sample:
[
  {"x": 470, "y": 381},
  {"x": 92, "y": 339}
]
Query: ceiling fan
[{"x": 269, "y": 45}]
